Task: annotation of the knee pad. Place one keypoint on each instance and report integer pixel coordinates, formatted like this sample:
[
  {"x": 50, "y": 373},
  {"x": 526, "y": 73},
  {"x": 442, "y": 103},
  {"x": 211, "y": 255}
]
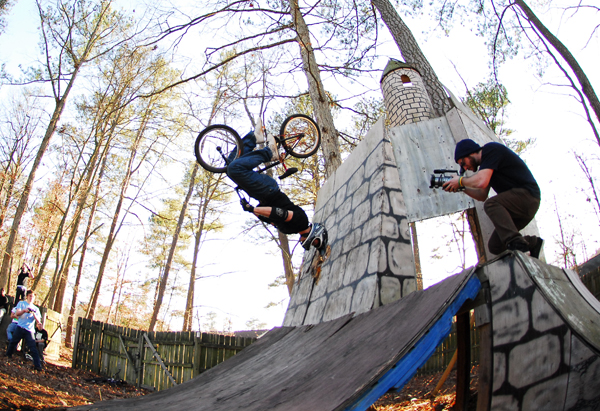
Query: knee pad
[{"x": 278, "y": 215}]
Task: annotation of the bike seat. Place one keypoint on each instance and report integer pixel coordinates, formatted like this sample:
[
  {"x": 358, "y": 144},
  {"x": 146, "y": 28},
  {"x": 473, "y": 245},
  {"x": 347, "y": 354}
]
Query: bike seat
[{"x": 288, "y": 172}]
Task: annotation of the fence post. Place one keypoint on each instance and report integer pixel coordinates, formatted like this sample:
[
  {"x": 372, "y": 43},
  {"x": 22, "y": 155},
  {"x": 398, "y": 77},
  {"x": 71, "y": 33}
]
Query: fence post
[
  {"x": 141, "y": 355},
  {"x": 463, "y": 366},
  {"x": 76, "y": 344},
  {"x": 196, "y": 358},
  {"x": 97, "y": 338}
]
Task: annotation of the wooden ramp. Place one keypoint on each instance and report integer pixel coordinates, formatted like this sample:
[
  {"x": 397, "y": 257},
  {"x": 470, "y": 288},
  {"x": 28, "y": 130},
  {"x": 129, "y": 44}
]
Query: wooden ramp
[
  {"x": 540, "y": 338},
  {"x": 344, "y": 364}
]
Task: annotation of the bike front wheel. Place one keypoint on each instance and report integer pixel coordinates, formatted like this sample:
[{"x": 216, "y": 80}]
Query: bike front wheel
[
  {"x": 300, "y": 136},
  {"x": 216, "y": 146}
]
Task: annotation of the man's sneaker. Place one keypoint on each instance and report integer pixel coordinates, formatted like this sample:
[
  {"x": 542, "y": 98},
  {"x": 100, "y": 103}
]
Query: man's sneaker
[
  {"x": 28, "y": 357},
  {"x": 519, "y": 244},
  {"x": 537, "y": 248},
  {"x": 273, "y": 147},
  {"x": 259, "y": 133},
  {"x": 317, "y": 237}
]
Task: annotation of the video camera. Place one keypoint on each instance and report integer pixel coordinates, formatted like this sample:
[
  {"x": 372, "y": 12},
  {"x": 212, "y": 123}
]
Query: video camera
[{"x": 437, "y": 181}]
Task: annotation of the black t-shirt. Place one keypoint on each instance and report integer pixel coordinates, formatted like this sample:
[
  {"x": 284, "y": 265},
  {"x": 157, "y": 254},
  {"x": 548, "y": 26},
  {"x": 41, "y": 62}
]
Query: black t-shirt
[
  {"x": 41, "y": 335},
  {"x": 3, "y": 302},
  {"x": 509, "y": 170},
  {"x": 22, "y": 278},
  {"x": 299, "y": 220}
]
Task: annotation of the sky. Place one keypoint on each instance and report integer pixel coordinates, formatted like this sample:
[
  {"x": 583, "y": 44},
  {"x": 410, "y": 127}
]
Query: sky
[{"x": 536, "y": 111}]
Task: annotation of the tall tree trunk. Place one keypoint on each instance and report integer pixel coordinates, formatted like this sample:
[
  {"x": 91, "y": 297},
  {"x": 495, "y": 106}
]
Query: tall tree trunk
[
  {"x": 88, "y": 233},
  {"x": 9, "y": 194},
  {"x": 21, "y": 207},
  {"x": 319, "y": 97},
  {"x": 189, "y": 304},
  {"x": 87, "y": 184},
  {"x": 412, "y": 54},
  {"x": 165, "y": 277},
  {"x": 60, "y": 102},
  {"x": 284, "y": 247},
  {"x": 91, "y": 311}
]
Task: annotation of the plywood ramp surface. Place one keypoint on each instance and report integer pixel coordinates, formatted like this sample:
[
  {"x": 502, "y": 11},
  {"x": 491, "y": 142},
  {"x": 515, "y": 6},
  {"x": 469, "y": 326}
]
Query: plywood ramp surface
[{"x": 342, "y": 364}]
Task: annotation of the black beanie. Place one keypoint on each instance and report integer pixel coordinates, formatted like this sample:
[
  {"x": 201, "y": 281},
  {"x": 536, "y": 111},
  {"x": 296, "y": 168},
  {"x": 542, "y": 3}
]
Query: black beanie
[{"x": 464, "y": 148}]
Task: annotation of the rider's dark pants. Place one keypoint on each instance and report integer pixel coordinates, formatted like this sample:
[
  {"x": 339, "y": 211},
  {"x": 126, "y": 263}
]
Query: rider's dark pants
[
  {"x": 257, "y": 185},
  {"x": 510, "y": 212},
  {"x": 19, "y": 334}
]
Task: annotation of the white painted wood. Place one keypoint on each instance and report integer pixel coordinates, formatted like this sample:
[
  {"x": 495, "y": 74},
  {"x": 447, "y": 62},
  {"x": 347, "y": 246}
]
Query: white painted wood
[
  {"x": 583, "y": 290},
  {"x": 419, "y": 148}
]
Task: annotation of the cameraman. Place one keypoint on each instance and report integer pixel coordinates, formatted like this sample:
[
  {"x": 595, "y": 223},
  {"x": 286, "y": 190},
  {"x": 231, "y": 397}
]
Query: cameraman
[
  {"x": 518, "y": 194},
  {"x": 29, "y": 316}
]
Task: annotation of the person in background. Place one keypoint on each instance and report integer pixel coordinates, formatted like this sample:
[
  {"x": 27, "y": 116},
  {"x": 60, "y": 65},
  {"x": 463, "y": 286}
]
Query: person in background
[
  {"x": 12, "y": 327},
  {"x": 3, "y": 304},
  {"x": 29, "y": 316},
  {"x": 41, "y": 340},
  {"x": 24, "y": 274}
]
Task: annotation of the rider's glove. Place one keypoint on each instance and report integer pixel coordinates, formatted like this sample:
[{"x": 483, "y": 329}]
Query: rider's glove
[{"x": 246, "y": 205}]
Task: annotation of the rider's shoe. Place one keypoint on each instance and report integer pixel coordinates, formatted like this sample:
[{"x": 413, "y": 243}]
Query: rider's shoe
[
  {"x": 273, "y": 147},
  {"x": 519, "y": 244},
  {"x": 537, "y": 248},
  {"x": 259, "y": 133},
  {"x": 317, "y": 237}
]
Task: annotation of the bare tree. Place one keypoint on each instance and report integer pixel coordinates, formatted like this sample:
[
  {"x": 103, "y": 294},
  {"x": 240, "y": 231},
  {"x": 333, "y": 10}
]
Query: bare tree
[{"x": 72, "y": 35}]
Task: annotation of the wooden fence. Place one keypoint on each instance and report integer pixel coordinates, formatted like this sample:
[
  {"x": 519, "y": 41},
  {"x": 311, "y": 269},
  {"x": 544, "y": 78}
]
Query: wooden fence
[
  {"x": 53, "y": 326},
  {"x": 152, "y": 360}
]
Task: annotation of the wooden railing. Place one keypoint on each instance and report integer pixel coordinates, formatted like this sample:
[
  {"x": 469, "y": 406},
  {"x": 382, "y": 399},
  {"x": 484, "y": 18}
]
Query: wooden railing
[{"x": 152, "y": 360}]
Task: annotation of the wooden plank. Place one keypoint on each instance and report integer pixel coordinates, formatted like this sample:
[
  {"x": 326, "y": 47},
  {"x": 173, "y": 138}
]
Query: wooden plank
[
  {"x": 140, "y": 363},
  {"x": 130, "y": 360},
  {"x": 155, "y": 353},
  {"x": 74, "y": 361},
  {"x": 97, "y": 335},
  {"x": 556, "y": 287},
  {"x": 485, "y": 372},
  {"x": 197, "y": 352},
  {"x": 583, "y": 290},
  {"x": 419, "y": 148},
  {"x": 463, "y": 365}
]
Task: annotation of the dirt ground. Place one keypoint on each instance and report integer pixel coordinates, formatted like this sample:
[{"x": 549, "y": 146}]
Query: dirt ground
[
  {"x": 59, "y": 387},
  {"x": 416, "y": 395}
]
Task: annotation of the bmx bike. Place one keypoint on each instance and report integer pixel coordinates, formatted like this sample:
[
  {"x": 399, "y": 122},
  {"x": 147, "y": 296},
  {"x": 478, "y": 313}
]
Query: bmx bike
[{"x": 218, "y": 145}]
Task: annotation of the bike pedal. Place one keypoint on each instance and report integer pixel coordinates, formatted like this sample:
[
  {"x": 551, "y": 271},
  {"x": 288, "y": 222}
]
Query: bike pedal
[{"x": 288, "y": 172}]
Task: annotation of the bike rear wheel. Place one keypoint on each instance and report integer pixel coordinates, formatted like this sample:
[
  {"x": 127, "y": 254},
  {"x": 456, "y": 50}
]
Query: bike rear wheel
[
  {"x": 216, "y": 146},
  {"x": 300, "y": 136}
]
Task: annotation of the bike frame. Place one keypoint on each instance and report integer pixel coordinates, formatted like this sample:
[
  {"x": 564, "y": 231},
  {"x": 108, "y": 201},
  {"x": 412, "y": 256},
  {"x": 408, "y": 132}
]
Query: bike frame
[{"x": 288, "y": 171}]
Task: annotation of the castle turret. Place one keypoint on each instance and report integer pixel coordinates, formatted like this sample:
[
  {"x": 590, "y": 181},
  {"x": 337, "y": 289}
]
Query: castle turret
[{"x": 406, "y": 100}]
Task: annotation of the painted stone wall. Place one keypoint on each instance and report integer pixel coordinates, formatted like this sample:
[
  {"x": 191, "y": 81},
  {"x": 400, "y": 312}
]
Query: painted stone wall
[
  {"x": 539, "y": 361},
  {"x": 371, "y": 261}
]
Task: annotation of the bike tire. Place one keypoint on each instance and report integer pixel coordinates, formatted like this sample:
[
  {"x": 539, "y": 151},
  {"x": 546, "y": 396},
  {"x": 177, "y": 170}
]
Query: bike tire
[
  {"x": 300, "y": 136},
  {"x": 208, "y": 142}
]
